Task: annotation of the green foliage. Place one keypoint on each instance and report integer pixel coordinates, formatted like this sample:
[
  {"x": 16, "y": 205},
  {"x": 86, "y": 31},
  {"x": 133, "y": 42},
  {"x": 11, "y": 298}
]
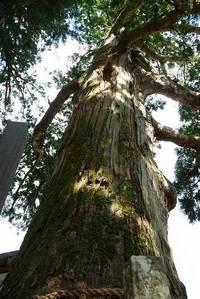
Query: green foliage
[
  {"x": 153, "y": 104},
  {"x": 27, "y": 28},
  {"x": 188, "y": 182},
  {"x": 188, "y": 161},
  {"x": 188, "y": 167},
  {"x": 193, "y": 76}
]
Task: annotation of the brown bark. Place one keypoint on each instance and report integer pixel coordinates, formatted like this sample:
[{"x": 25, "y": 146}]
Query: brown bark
[
  {"x": 130, "y": 9},
  {"x": 55, "y": 106},
  {"x": 162, "y": 23},
  {"x": 161, "y": 58},
  {"x": 105, "y": 200},
  {"x": 168, "y": 134},
  {"x": 163, "y": 85},
  {"x": 187, "y": 28}
]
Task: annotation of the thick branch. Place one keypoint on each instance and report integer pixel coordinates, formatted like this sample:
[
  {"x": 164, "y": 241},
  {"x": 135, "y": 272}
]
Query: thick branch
[
  {"x": 187, "y": 28},
  {"x": 162, "y": 58},
  {"x": 168, "y": 134},
  {"x": 130, "y": 9},
  {"x": 167, "y": 87},
  {"x": 162, "y": 23},
  {"x": 55, "y": 106}
]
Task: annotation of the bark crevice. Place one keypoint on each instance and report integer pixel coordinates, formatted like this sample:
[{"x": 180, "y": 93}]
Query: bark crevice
[{"x": 105, "y": 199}]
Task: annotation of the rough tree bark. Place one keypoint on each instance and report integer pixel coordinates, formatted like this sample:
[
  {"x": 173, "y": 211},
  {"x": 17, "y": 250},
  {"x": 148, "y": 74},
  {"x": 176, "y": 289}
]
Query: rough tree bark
[{"x": 106, "y": 200}]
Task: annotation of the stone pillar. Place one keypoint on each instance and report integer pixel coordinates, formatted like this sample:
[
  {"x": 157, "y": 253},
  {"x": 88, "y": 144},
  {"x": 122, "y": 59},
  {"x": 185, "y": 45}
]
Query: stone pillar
[
  {"x": 145, "y": 278},
  {"x": 12, "y": 144}
]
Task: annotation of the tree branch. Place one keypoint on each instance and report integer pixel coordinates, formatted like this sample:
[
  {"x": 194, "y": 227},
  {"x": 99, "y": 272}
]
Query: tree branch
[
  {"x": 165, "y": 133},
  {"x": 162, "y": 58},
  {"x": 187, "y": 28},
  {"x": 162, "y": 23},
  {"x": 55, "y": 106},
  {"x": 167, "y": 87},
  {"x": 125, "y": 12}
]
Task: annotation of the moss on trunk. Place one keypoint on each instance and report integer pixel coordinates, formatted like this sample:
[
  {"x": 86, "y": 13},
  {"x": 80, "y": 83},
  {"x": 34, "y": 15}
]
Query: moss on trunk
[{"x": 105, "y": 200}]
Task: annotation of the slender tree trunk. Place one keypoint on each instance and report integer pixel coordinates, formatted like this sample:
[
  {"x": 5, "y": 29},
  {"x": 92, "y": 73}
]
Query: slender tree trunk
[{"x": 106, "y": 200}]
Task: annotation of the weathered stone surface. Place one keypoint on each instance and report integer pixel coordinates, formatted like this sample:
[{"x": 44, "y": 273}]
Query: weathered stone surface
[
  {"x": 12, "y": 144},
  {"x": 145, "y": 278}
]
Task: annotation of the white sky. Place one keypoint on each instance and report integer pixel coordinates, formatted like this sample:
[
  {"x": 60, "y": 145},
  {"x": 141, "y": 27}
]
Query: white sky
[{"x": 183, "y": 237}]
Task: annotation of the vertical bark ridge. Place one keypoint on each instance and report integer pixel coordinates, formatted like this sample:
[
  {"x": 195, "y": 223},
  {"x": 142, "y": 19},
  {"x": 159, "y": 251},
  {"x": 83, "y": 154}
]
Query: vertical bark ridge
[{"x": 105, "y": 199}]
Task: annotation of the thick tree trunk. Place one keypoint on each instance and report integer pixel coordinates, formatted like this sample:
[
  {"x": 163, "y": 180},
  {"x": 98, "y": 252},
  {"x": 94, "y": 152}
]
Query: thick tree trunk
[{"x": 106, "y": 200}]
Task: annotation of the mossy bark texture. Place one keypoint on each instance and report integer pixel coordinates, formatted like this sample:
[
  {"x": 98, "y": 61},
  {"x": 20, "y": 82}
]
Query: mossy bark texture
[{"x": 106, "y": 200}]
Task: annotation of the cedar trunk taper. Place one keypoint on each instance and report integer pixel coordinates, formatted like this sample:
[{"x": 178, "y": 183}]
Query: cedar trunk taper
[{"x": 105, "y": 200}]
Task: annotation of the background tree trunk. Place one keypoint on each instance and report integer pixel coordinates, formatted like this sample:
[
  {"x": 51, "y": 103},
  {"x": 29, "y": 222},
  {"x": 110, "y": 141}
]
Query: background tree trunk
[{"x": 106, "y": 200}]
